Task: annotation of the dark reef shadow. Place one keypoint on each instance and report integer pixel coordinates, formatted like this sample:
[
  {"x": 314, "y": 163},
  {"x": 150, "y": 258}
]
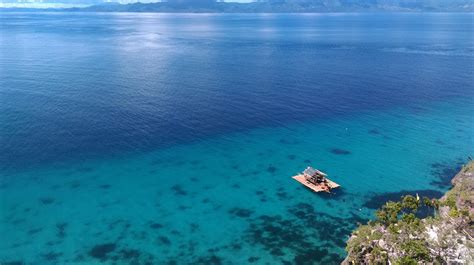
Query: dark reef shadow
[
  {"x": 378, "y": 200},
  {"x": 339, "y": 151},
  {"x": 444, "y": 172}
]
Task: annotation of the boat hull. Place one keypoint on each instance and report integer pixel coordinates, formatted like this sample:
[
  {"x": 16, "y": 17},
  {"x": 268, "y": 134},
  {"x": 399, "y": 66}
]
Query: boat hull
[{"x": 316, "y": 188}]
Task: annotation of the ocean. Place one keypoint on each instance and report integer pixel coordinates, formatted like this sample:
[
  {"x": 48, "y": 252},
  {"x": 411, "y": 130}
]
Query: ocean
[{"x": 138, "y": 138}]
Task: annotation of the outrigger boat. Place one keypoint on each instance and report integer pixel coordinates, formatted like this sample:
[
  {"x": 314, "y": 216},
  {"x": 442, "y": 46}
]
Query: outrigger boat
[{"x": 316, "y": 180}]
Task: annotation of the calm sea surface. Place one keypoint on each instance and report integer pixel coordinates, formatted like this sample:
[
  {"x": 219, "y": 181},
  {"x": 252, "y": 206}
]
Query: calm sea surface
[{"x": 172, "y": 138}]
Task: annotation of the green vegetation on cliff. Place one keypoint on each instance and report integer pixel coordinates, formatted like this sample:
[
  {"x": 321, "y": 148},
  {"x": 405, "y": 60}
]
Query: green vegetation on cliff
[{"x": 399, "y": 236}]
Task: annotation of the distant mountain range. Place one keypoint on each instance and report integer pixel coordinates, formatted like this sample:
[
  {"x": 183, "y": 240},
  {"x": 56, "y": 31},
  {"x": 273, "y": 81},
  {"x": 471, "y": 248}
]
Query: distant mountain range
[{"x": 278, "y": 6}]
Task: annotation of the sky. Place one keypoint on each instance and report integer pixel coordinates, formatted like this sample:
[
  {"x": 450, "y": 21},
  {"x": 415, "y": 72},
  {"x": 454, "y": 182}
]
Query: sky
[
  {"x": 63, "y": 3},
  {"x": 149, "y": 1}
]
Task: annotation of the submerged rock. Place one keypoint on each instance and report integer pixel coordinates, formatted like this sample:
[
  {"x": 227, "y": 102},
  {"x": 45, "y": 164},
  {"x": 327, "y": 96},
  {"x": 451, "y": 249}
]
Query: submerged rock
[
  {"x": 241, "y": 212},
  {"x": 271, "y": 169},
  {"x": 339, "y": 151},
  {"x": 101, "y": 251}
]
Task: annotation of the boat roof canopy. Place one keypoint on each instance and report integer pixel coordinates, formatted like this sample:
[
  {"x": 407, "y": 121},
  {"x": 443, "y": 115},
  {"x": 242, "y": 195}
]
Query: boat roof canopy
[{"x": 312, "y": 172}]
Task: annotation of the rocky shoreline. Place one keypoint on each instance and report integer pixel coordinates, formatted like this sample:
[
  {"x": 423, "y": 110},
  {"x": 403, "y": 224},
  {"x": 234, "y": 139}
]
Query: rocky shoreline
[{"x": 399, "y": 236}]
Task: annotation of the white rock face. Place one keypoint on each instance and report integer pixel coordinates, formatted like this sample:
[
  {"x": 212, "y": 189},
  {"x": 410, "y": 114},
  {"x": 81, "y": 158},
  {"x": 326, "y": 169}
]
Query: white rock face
[{"x": 432, "y": 233}]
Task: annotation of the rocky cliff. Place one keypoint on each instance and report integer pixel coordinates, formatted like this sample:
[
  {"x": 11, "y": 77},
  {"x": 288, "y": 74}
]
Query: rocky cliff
[{"x": 399, "y": 236}]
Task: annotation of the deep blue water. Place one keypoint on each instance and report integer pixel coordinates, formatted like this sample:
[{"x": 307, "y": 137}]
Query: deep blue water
[{"x": 172, "y": 137}]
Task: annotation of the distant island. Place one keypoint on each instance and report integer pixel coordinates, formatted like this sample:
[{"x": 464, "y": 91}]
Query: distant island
[
  {"x": 275, "y": 6},
  {"x": 400, "y": 236}
]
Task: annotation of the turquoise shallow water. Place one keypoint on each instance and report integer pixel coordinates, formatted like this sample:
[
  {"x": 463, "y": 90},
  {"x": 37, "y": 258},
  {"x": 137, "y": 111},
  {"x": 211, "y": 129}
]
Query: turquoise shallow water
[
  {"x": 230, "y": 198},
  {"x": 172, "y": 138}
]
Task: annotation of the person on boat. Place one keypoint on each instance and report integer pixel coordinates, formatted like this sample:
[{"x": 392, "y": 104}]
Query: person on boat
[{"x": 325, "y": 188}]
